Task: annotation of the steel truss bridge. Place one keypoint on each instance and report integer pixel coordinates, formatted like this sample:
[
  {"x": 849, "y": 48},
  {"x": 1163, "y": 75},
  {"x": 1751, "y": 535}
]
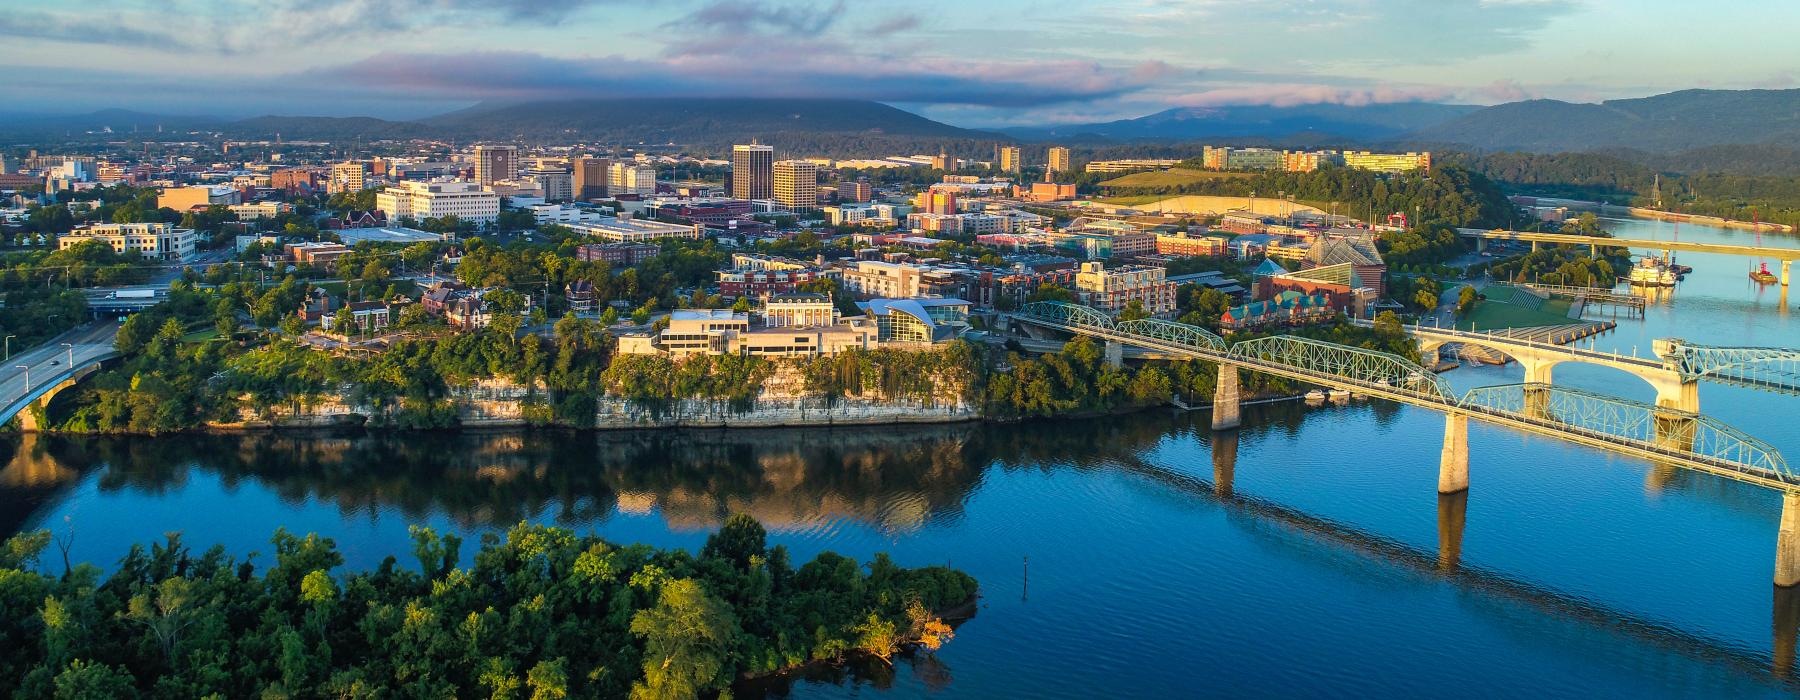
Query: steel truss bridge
[
  {"x": 1768, "y": 369},
  {"x": 1659, "y": 434}
]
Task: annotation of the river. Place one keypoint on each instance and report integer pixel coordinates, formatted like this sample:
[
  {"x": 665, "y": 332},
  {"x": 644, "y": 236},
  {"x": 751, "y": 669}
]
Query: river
[{"x": 1136, "y": 556}]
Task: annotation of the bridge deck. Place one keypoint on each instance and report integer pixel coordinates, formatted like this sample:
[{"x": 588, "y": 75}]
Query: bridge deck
[
  {"x": 1450, "y": 404},
  {"x": 1776, "y": 253}
]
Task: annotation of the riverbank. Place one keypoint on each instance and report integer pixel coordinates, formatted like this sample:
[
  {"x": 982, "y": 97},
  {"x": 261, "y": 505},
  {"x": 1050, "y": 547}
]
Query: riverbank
[{"x": 1697, "y": 219}]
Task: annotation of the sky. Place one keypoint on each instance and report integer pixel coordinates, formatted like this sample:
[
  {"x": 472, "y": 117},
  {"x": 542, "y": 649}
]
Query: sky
[{"x": 974, "y": 63}]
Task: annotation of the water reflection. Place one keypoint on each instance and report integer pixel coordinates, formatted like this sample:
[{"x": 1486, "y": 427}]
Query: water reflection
[
  {"x": 895, "y": 480},
  {"x": 890, "y": 479}
]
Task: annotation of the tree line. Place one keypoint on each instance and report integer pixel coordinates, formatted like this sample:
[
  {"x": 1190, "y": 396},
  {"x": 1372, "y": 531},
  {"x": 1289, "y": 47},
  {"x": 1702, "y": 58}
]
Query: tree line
[{"x": 541, "y": 612}]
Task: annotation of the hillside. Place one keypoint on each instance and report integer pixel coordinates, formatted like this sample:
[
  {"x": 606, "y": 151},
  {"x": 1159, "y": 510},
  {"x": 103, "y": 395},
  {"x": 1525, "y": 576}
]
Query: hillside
[
  {"x": 693, "y": 120},
  {"x": 817, "y": 126},
  {"x": 1689, "y": 119},
  {"x": 1303, "y": 122}
]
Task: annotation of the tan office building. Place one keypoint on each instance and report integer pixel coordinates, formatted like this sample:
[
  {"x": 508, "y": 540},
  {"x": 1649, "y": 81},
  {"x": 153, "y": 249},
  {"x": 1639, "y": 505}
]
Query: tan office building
[
  {"x": 1058, "y": 159},
  {"x": 797, "y": 184}
]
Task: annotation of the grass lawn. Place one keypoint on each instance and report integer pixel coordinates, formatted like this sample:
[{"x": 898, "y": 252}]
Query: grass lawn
[
  {"x": 1496, "y": 315},
  {"x": 1173, "y": 177},
  {"x": 1133, "y": 200},
  {"x": 200, "y": 336}
]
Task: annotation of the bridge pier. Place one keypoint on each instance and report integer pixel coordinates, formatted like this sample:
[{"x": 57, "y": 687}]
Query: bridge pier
[
  {"x": 1453, "y": 511},
  {"x": 1787, "y": 542},
  {"x": 1678, "y": 394},
  {"x": 1785, "y": 264},
  {"x": 1224, "y": 455},
  {"x": 1115, "y": 354},
  {"x": 1787, "y": 625},
  {"x": 1225, "y": 409},
  {"x": 1453, "y": 464},
  {"x": 1534, "y": 246}
]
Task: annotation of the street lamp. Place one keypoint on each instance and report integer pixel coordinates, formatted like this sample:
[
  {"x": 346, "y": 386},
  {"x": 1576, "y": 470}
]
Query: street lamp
[
  {"x": 9, "y": 347},
  {"x": 71, "y": 347},
  {"x": 27, "y": 369}
]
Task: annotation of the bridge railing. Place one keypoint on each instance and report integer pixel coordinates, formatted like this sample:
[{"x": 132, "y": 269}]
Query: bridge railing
[{"x": 1650, "y": 427}]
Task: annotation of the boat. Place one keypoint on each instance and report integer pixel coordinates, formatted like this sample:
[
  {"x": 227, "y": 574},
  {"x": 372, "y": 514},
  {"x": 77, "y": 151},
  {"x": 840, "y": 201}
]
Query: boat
[
  {"x": 1339, "y": 395},
  {"x": 1315, "y": 396},
  {"x": 1762, "y": 275},
  {"x": 1651, "y": 272}
]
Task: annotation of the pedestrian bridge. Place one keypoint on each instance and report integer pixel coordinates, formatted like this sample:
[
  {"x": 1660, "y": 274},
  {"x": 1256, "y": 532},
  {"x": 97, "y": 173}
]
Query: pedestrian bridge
[{"x": 1661, "y": 433}]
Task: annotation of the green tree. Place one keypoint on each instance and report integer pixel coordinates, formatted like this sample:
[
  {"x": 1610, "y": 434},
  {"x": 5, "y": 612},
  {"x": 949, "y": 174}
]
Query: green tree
[{"x": 686, "y": 636}]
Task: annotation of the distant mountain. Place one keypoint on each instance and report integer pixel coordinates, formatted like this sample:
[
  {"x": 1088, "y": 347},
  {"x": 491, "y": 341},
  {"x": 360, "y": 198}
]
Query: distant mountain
[
  {"x": 1302, "y": 123},
  {"x": 690, "y": 120},
  {"x": 1676, "y": 121},
  {"x": 326, "y": 128},
  {"x": 814, "y": 126},
  {"x": 121, "y": 121}
]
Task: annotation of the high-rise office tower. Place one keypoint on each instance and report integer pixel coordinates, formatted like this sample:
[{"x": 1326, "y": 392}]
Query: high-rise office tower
[
  {"x": 797, "y": 184},
  {"x": 1059, "y": 160},
  {"x": 1009, "y": 159},
  {"x": 590, "y": 176},
  {"x": 495, "y": 163},
  {"x": 752, "y": 171}
]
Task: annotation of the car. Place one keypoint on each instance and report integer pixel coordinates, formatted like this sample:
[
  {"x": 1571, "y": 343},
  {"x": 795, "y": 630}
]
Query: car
[{"x": 54, "y": 363}]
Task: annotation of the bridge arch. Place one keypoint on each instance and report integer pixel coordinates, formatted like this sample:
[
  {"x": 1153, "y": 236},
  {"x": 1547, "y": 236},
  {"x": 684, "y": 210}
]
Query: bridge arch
[
  {"x": 29, "y": 409},
  {"x": 1539, "y": 360}
]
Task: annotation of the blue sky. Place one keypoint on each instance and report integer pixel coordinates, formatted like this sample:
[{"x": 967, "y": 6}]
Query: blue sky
[{"x": 980, "y": 63}]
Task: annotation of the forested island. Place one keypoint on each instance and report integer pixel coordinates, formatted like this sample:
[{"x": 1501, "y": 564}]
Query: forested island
[{"x": 542, "y": 612}]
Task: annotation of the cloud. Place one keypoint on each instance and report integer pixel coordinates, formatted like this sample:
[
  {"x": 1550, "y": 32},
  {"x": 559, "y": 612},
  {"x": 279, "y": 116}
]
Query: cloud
[
  {"x": 75, "y": 29},
  {"x": 750, "y": 15},
  {"x": 514, "y": 75},
  {"x": 894, "y": 25}
]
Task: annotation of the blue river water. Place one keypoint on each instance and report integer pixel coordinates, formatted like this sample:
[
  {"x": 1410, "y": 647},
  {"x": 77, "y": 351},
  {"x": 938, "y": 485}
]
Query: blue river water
[{"x": 1136, "y": 556}]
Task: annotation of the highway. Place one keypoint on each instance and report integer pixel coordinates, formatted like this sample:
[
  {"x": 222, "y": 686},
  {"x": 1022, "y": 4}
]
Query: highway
[{"x": 50, "y": 361}]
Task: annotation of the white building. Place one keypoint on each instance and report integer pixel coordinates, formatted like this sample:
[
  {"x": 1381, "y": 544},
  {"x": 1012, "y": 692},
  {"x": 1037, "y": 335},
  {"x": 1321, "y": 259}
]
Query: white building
[
  {"x": 563, "y": 214},
  {"x": 617, "y": 230},
  {"x": 466, "y": 201},
  {"x": 258, "y": 210},
  {"x": 158, "y": 240}
]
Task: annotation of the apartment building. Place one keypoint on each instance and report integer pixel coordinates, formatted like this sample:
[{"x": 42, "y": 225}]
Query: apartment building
[
  {"x": 1112, "y": 290},
  {"x": 1058, "y": 160}
]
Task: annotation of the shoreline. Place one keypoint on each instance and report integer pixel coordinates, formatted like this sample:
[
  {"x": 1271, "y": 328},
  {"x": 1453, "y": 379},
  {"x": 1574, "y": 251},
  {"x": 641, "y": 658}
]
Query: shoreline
[
  {"x": 511, "y": 424},
  {"x": 1700, "y": 219}
]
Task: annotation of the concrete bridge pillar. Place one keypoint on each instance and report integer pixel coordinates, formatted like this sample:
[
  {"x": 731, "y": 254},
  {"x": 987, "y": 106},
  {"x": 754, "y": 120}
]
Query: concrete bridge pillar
[
  {"x": 1537, "y": 398},
  {"x": 1534, "y": 246},
  {"x": 1678, "y": 394},
  {"x": 1453, "y": 466},
  {"x": 1453, "y": 511},
  {"x": 1225, "y": 408},
  {"x": 1675, "y": 430},
  {"x": 1115, "y": 354},
  {"x": 1481, "y": 245},
  {"x": 1787, "y": 542},
  {"x": 1787, "y": 625},
  {"x": 1224, "y": 454},
  {"x": 1785, "y": 264}
]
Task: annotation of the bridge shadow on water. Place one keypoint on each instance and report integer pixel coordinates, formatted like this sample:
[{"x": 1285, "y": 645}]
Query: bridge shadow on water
[{"x": 1493, "y": 590}]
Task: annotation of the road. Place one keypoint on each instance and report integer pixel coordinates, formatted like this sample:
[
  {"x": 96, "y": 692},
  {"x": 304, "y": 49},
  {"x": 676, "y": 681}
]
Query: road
[{"x": 52, "y": 359}]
